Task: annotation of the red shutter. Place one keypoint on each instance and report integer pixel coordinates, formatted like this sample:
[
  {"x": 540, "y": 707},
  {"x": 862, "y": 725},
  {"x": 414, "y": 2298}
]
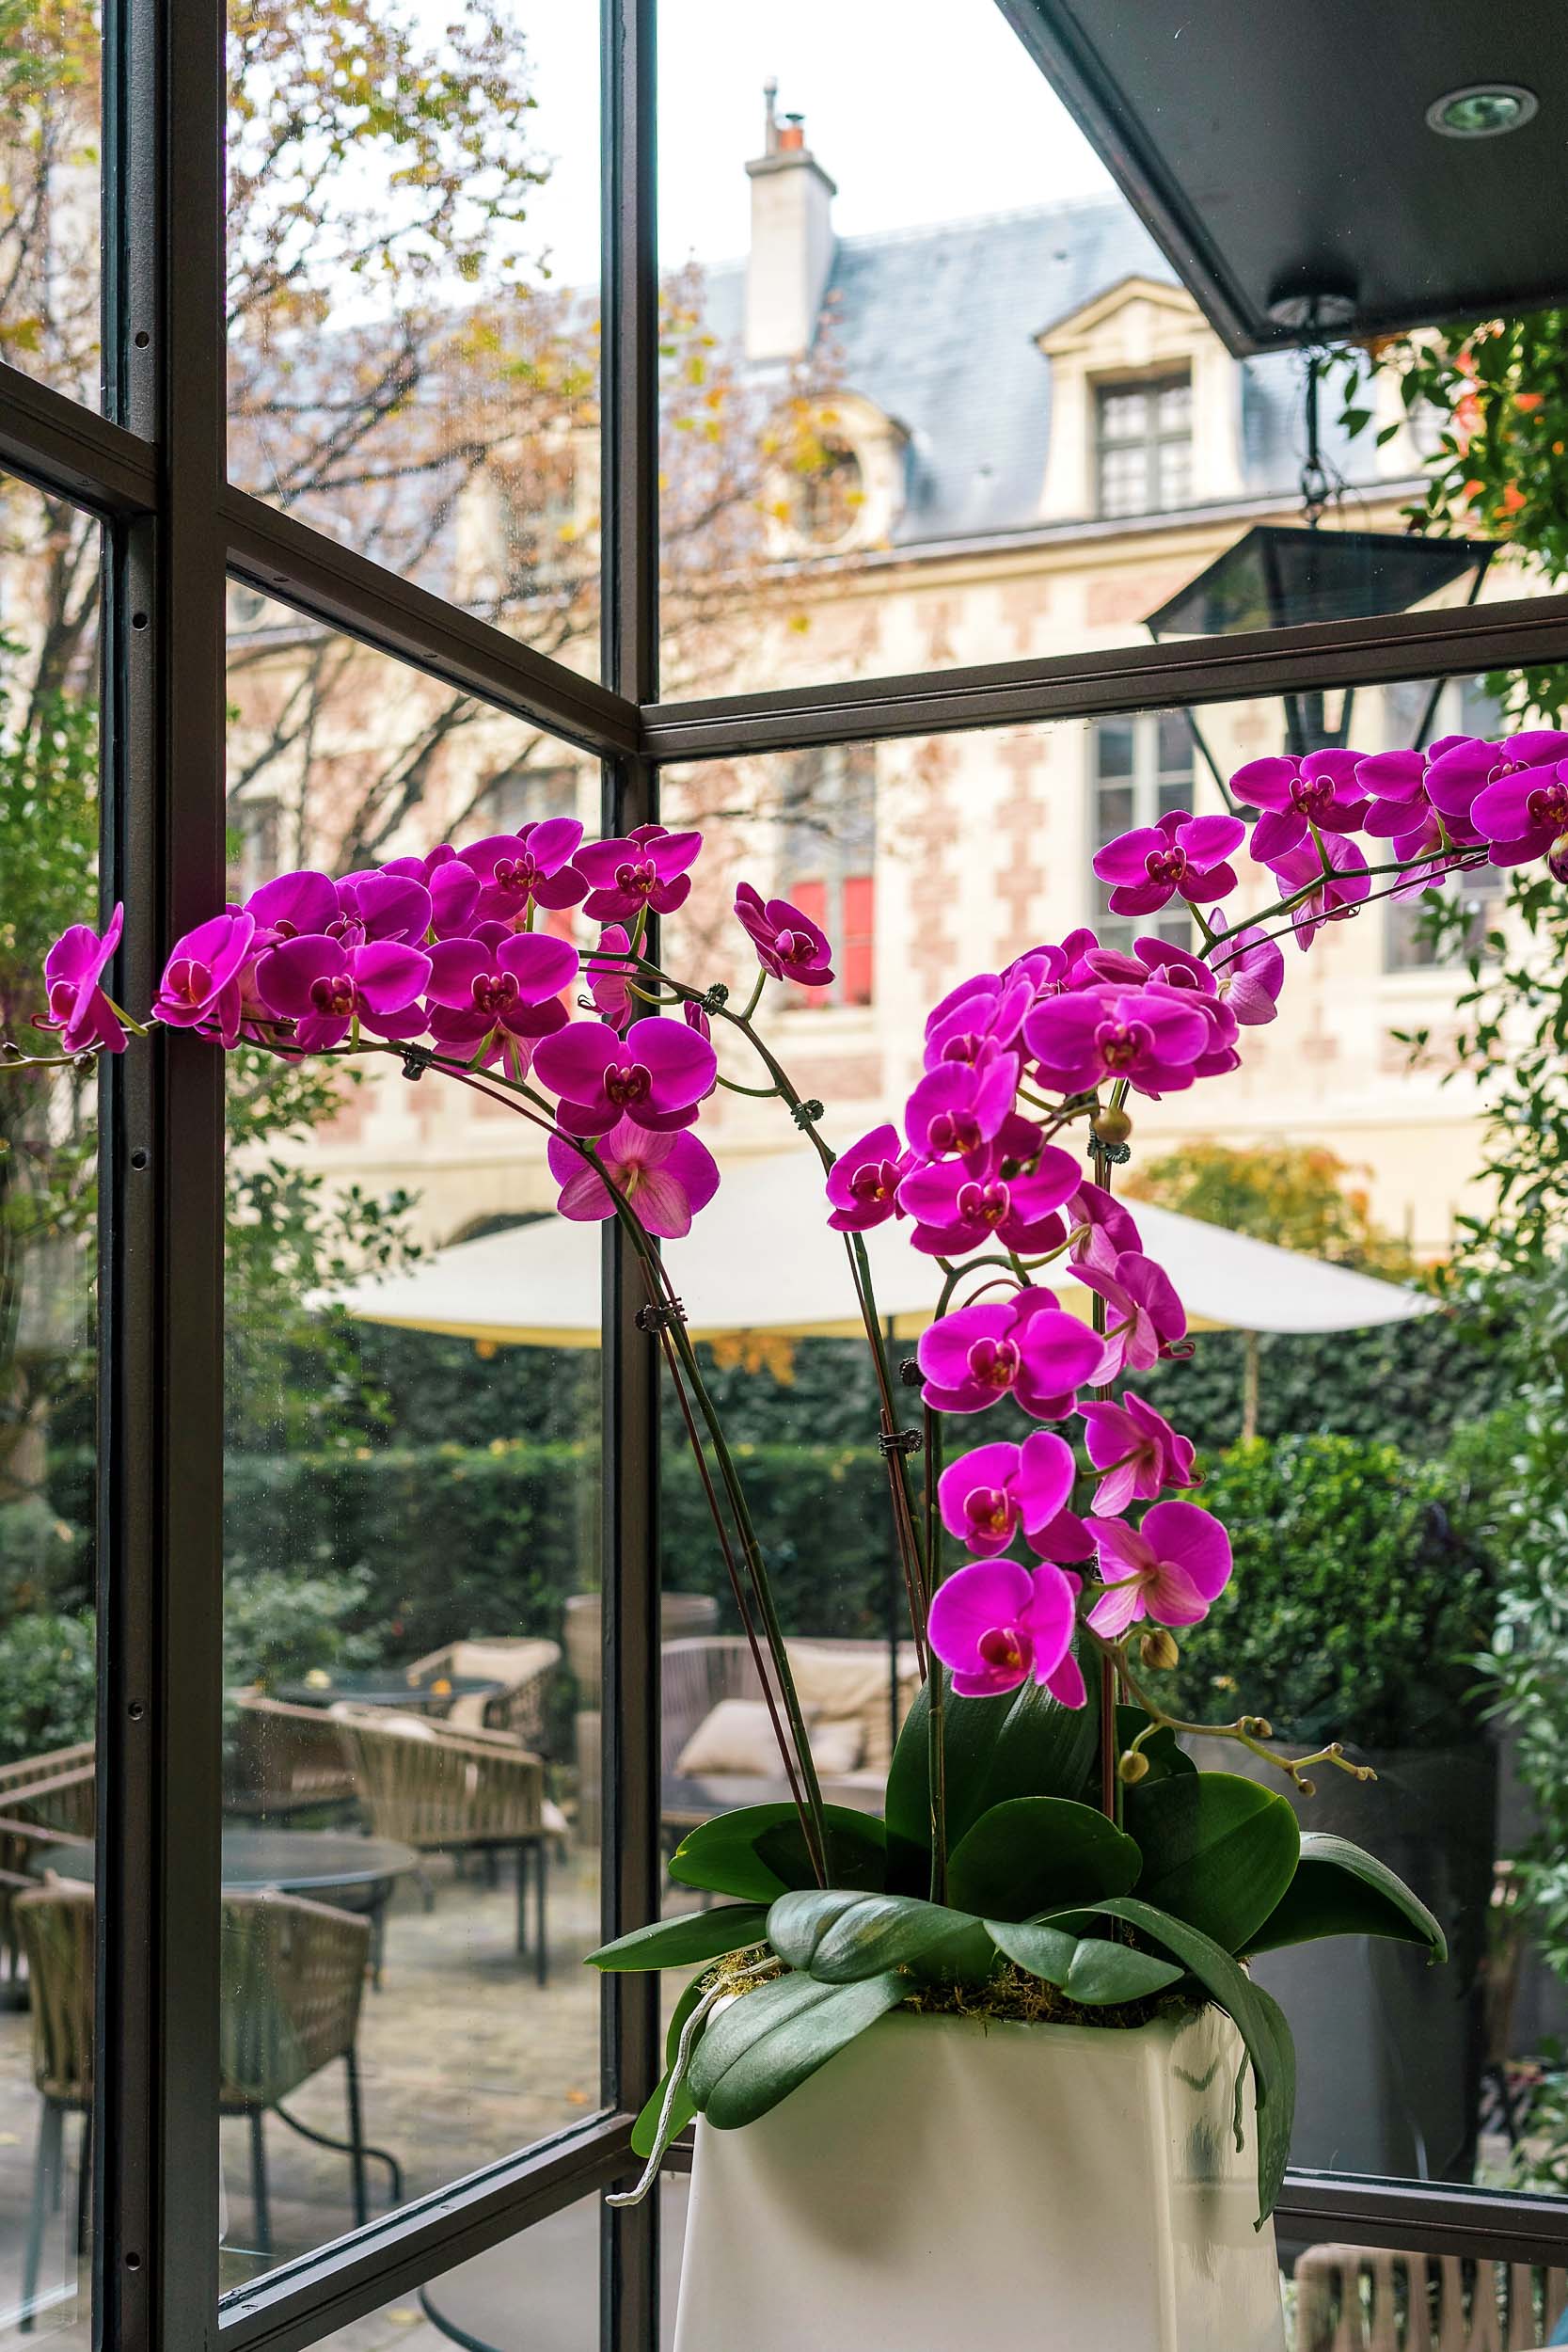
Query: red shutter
[{"x": 857, "y": 949}]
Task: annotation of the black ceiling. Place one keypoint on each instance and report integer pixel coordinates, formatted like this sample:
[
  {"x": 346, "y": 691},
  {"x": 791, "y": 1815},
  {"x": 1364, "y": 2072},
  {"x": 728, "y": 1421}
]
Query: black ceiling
[{"x": 1278, "y": 145}]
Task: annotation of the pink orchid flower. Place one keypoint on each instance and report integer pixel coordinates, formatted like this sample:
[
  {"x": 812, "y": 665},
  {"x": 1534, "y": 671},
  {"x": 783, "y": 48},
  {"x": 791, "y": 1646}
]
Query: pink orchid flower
[
  {"x": 664, "y": 1178},
  {"x": 1182, "y": 855},
  {"x": 655, "y": 1076},
  {"x": 201, "y": 980},
  {"x": 1144, "y": 1317},
  {"x": 995, "y": 1623},
  {"x": 1025, "y": 1347},
  {"x": 1136, "y": 1452},
  {"x": 789, "y": 946},
  {"x": 87, "y": 1021},
  {"x": 324, "y": 986},
  {"x": 988, "y": 1495},
  {"x": 1170, "y": 1568},
  {"x": 863, "y": 1182}
]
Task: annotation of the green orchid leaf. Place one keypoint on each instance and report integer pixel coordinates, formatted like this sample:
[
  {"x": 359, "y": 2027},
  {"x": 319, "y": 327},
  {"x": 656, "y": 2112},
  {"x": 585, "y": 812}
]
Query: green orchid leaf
[
  {"x": 1019, "y": 1745},
  {"x": 646, "y": 2137},
  {"x": 1218, "y": 1852},
  {"x": 760, "y": 1852},
  {"x": 1166, "y": 1761},
  {"x": 767, "y": 2042},
  {"x": 1260, "y": 2021},
  {"x": 681, "y": 1943},
  {"x": 1036, "y": 1853},
  {"x": 1339, "y": 1889},
  {"x": 843, "y": 1938},
  {"x": 1087, "y": 1968}
]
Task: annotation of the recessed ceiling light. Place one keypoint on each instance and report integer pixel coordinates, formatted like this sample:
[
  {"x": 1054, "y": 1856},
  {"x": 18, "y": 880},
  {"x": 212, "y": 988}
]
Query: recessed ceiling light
[{"x": 1483, "y": 110}]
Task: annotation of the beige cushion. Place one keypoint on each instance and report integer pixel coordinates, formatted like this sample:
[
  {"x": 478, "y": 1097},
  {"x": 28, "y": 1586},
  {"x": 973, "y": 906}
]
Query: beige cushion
[
  {"x": 836, "y": 1748},
  {"x": 839, "y": 1681},
  {"x": 506, "y": 1663},
  {"x": 737, "y": 1737}
]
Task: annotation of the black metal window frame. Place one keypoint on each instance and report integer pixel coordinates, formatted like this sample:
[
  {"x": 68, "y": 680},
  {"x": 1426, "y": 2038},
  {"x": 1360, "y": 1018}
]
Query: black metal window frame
[{"x": 152, "y": 467}]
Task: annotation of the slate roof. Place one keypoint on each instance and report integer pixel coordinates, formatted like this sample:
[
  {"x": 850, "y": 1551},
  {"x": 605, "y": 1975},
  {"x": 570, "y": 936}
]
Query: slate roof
[{"x": 936, "y": 326}]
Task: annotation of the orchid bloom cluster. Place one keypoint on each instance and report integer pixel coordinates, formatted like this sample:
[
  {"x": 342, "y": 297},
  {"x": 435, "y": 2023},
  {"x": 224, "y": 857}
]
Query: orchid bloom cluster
[
  {"x": 465, "y": 961},
  {"x": 1012, "y": 1059}
]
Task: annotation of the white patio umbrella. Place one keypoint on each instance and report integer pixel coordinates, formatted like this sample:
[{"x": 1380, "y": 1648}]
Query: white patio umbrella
[{"x": 762, "y": 1258}]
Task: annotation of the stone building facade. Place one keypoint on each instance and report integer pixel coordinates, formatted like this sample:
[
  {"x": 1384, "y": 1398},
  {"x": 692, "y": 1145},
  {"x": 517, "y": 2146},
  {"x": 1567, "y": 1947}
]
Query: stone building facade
[{"x": 1032, "y": 440}]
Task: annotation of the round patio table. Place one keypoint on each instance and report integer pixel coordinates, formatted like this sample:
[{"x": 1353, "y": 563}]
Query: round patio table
[
  {"x": 349, "y": 1872},
  {"x": 388, "y": 1688}
]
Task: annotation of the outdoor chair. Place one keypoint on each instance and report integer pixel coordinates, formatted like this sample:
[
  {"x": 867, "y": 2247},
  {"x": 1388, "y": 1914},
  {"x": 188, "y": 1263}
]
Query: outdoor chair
[
  {"x": 681, "y": 1616},
  {"x": 287, "y": 1759},
  {"x": 844, "y": 1686},
  {"x": 445, "y": 1791},
  {"x": 293, "y": 1976},
  {"x": 524, "y": 1667},
  {"x": 46, "y": 1802},
  {"x": 56, "y": 1765},
  {"x": 1357, "y": 2299}
]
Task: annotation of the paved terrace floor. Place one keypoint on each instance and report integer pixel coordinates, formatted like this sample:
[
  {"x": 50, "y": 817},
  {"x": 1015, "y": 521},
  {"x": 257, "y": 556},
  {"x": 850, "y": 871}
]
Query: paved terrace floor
[{"x": 464, "y": 2058}]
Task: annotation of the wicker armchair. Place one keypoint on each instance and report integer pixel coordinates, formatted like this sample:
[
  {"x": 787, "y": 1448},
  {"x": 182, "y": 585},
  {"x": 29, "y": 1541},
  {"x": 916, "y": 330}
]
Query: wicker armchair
[
  {"x": 442, "y": 1792},
  {"x": 522, "y": 1665},
  {"x": 697, "y": 1675},
  {"x": 293, "y": 1976},
  {"x": 1358, "y": 2298},
  {"x": 287, "y": 1759},
  {"x": 46, "y": 1802}
]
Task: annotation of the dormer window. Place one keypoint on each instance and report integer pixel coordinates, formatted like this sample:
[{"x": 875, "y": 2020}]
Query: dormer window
[
  {"x": 1144, "y": 444},
  {"x": 830, "y": 494}
]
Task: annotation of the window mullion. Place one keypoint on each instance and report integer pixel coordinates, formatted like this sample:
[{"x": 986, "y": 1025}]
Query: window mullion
[
  {"x": 161, "y": 1352},
  {"x": 630, "y": 1529}
]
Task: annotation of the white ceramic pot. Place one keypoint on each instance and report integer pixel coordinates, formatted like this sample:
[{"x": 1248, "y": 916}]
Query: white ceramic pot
[{"x": 942, "y": 2185}]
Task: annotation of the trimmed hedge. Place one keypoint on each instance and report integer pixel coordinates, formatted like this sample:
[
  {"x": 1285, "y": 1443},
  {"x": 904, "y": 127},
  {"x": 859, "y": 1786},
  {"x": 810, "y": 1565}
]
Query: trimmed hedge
[
  {"x": 491, "y": 1539},
  {"x": 1358, "y": 1603}
]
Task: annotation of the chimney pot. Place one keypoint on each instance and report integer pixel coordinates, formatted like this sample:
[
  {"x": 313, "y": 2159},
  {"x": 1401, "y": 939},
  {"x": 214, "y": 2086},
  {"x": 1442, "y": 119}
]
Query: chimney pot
[{"x": 791, "y": 239}]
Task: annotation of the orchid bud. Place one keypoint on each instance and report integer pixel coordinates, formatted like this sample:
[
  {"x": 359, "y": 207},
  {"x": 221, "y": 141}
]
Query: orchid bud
[
  {"x": 1133, "y": 1767},
  {"x": 1159, "y": 1650},
  {"x": 1556, "y": 859},
  {"x": 1111, "y": 1124},
  {"x": 1308, "y": 1787}
]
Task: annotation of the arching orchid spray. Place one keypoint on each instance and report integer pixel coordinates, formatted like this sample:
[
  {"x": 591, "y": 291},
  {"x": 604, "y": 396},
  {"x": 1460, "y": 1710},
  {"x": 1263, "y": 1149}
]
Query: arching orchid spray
[{"x": 1085, "y": 1555}]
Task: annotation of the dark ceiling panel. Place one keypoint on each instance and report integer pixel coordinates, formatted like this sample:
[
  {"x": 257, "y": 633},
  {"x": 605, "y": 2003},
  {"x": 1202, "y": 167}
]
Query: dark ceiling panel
[{"x": 1272, "y": 144}]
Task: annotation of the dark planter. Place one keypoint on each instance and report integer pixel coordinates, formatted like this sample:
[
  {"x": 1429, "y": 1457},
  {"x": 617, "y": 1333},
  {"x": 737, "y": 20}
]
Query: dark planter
[{"x": 1389, "y": 2049}]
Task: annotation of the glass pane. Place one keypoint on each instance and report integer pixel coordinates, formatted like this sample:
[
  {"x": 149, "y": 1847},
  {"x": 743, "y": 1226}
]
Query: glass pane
[
  {"x": 1124, "y": 486},
  {"x": 412, "y": 1616},
  {"x": 49, "y": 822},
  {"x": 1124, "y": 415},
  {"x": 1114, "y": 741},
  {"x": 1388, "y": 1473},
  {"x": 919, "y": 355},
  {"x": 1174, "y": 406},
  {"x": 537, "y": 2292},
  {"x": 413, "y": 295},
  {"x": 51, "y": 233},
  {"x": 1173, "y": 747}
]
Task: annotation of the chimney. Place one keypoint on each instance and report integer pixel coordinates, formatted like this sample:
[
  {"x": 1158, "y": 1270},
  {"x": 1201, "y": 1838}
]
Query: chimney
[{"x": 791, "y": 239}]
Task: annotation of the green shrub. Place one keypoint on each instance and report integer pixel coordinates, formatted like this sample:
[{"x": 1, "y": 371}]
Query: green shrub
[
  {"x": 1358, "y": 1602},
  {"x": 445, "y": 1540},
  {"x": 277, "y": 1624},
  {"x": 47, "y": 1695}
]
